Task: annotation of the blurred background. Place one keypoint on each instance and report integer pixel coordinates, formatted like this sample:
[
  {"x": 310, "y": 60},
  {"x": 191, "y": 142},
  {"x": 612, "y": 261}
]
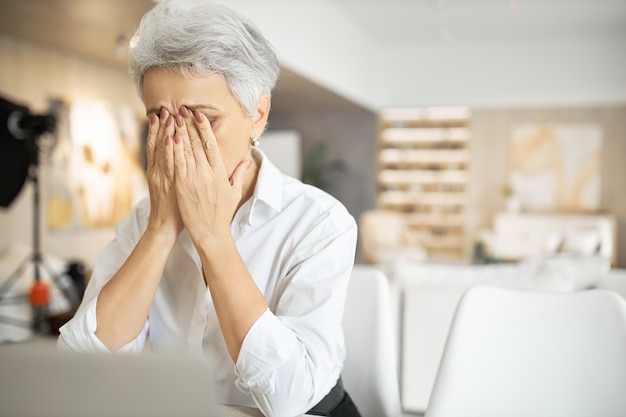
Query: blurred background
[
  {"x": 448, "y": 112},
  {"x": 474, "y": 141}
]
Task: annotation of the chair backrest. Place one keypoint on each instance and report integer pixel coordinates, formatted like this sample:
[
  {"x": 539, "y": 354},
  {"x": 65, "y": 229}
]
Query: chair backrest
[
  {"x": 526, "y": 353},
  {"x": 370, "y": 370}
]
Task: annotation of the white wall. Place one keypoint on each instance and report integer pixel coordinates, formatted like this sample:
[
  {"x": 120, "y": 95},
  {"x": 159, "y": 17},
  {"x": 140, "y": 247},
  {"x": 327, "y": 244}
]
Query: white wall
[
  {"x": 550, "y": 72},
  {"x": 316, "y": 40},
  {"x": 284, "y": 149},
  {"x": 584, "y": 64},
  {"x": 31, "y": 75}
]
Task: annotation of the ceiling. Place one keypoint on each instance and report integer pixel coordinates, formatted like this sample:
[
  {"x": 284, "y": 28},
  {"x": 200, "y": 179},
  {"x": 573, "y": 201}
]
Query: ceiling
[
  {"x": 88, "y": 27},
  {"x": 411, "y": 21},
  {"x": 100, "y": 29}
]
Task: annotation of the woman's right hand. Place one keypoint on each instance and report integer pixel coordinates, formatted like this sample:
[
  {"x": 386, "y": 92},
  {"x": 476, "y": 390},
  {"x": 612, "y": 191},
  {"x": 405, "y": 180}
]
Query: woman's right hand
[{"x": 164, "y": 213}]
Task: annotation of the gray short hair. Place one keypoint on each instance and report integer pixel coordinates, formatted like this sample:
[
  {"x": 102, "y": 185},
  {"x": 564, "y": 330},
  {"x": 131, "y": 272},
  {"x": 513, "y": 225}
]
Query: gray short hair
[{"x": 198, "y": 38}]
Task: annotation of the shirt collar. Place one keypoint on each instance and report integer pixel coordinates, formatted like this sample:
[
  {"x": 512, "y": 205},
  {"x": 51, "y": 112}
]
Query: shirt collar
[
  {"x": 268, "y": 189},
  {"x": 269, "y": 184}
]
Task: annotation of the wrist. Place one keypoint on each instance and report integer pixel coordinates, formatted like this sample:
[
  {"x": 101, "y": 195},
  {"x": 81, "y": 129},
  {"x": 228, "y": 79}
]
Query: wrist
[
  {"x": 163, "y": 236},
  {"x": 211, "y": 243}
]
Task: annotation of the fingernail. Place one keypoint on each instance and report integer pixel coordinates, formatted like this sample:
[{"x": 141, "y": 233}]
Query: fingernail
[
  {"x": 170, "y": 121},
  {"x": 163, "y": 113},
  {"x": 179, "y": 120},
  {"x": 176, "y": 138},
  {"x": 184, "y": 111},
  {"x": 199, "y": 116},
  {"x": 153, "y": 119}
]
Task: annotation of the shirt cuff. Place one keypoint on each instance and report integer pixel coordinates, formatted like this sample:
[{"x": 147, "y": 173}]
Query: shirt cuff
[
  {"x": 267, "y": 345},
  {"x": 79, "y": 334}
]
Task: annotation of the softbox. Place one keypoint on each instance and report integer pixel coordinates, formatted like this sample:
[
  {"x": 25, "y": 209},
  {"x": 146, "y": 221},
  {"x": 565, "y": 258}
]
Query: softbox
[{"x": 14, "y": 154}]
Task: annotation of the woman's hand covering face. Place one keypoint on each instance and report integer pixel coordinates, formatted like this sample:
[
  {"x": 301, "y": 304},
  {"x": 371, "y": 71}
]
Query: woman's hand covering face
[
  {"x": 164, "y": 213},
  {"x": 207, "y": 198},
  {"x": 199, "y": 152}
]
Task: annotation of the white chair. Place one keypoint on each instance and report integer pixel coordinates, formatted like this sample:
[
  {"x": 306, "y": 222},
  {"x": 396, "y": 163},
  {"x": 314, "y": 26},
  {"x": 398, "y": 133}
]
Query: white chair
[
  {"x": 526, "y": 353},
  {"x": 614, "y": 280},
  {"x": 370, "y": 374}
]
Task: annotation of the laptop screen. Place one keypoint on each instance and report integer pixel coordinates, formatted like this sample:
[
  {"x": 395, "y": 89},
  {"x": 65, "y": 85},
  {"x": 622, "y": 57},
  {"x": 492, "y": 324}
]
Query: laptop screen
[{"x": 42, "y": 382}]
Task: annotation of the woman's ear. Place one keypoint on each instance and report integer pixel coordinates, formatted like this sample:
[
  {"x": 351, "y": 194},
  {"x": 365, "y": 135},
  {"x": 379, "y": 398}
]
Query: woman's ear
[{"x": 260, "y": 118}]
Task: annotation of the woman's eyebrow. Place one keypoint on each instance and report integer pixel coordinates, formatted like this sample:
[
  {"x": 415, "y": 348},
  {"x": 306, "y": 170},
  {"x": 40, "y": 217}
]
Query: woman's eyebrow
[
  {"x": 201, "y": 107},
  {"x": 157, "y": 110}
]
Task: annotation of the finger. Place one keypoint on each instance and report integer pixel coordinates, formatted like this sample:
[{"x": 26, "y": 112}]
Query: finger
[
  {"x": 167, "y": 134},
  {"x": 162, "y": 134},
  {"x": 184, "y": 135},
  {"x": 209, "y": 143},
  {"x": 180, "y": 158},
  {"x": 159, "y": 146},
  {"x": 153, "y": 130},
  {"x": 194, "y": 135},
  {"x": 169, "y": 158}
]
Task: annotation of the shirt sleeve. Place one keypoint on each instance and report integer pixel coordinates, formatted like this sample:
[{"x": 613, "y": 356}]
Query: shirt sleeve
[
  {"x": 78, "y": 334},
  {"x": 293, "y": 356}
]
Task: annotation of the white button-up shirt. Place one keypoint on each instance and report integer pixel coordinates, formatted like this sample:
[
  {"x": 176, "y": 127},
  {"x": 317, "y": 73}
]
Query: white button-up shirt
[{"x": 298, "y": 243}]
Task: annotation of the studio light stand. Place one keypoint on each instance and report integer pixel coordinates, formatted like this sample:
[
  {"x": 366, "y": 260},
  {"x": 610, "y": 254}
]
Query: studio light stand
[{"x": 22, "y": 126}]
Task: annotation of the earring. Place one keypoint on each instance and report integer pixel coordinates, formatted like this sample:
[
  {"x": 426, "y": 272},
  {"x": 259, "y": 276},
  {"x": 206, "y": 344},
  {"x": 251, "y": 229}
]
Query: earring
[{"x": 254, "y": 141}]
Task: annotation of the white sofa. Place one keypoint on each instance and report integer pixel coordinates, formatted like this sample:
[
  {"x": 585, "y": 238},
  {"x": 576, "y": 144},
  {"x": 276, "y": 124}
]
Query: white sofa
[{"x": 516, "y": 236}]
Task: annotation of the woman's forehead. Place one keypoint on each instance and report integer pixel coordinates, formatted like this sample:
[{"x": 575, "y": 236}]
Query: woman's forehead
[{"x": 169, "y": 89}]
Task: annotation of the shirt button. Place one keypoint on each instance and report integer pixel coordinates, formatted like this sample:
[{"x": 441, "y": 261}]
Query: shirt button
[{"x": 199, "y": 319}]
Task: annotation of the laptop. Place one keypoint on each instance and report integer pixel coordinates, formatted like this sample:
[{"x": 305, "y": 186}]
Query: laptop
[{"x": 38, "y": 382}]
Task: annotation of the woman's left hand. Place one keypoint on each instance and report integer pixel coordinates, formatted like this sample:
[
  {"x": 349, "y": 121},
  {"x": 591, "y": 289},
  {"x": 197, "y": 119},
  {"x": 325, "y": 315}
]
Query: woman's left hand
[{"x": 207, "y": 197}]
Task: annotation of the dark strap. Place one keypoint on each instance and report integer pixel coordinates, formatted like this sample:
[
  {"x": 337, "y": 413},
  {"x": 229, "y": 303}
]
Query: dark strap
[{"x": 330, "y": 401}]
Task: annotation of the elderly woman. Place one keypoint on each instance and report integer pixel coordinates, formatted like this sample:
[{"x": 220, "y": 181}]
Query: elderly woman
[{"x": 227, "y": 255}]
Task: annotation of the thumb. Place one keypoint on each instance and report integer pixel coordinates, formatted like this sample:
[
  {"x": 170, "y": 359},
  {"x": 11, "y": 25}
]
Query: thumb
[{"x": 236, "y": 179}]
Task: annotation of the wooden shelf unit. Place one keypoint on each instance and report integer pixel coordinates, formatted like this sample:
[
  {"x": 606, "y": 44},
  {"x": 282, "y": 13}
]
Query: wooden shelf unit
[{"x": 423, "y": 172}]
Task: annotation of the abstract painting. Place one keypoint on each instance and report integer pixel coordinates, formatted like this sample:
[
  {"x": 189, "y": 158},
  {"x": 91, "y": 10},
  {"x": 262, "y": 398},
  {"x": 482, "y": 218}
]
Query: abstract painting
[{"x": 556, "y": 167}]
